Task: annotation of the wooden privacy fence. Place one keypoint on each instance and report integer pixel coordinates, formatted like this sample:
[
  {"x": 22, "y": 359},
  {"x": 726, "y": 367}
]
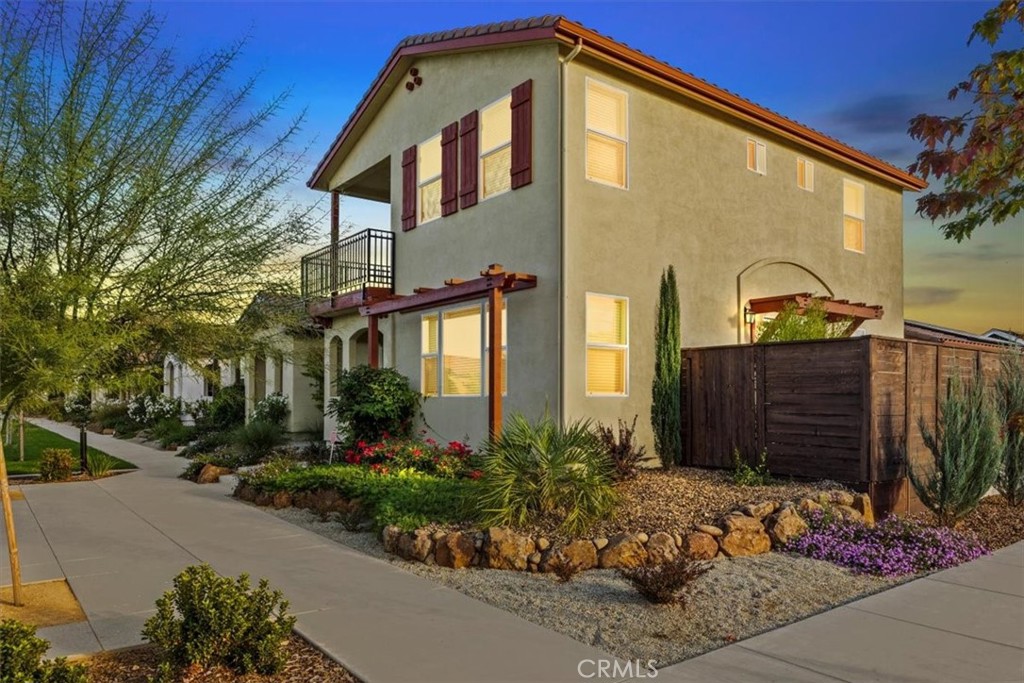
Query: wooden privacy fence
[{"x": 844, "y": 409}]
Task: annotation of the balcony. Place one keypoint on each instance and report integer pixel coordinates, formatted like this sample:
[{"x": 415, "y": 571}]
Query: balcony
[{"x": 360, "y": 262}]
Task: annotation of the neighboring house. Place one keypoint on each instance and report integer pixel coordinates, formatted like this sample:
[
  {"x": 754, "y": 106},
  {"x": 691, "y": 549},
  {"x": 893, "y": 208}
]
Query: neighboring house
[
  {"x": 1005, "y": 337},
  {"x": 585, "y": 168},
  {"x": 914, "y": 329},
  {"x": 182, "y": 381}
]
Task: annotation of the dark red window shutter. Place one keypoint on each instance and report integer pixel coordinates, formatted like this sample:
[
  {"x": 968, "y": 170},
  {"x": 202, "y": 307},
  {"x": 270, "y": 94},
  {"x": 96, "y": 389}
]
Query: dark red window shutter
[
  {"x": 409, "y": 188},
  {"x": 522, "y": 134},
  {"x": 450, "y": 169},
  {"x": 469, "y": 148}
]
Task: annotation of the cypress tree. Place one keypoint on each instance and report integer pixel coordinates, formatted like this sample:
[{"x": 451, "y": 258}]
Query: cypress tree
[{"x": 665, "y": 406}]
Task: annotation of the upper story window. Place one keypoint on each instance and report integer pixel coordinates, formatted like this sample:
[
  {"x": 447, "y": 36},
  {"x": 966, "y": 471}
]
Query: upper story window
[
  {"x": 496, "y": 147},
  {"x": 428, "y": 180},
  {"x": 757, "y": 156},
  {"x": 853, "y": 216},
  {"x": 805, "y": 174},
  {"x": 607, "y": 134},
  {"x": 607, "y": 345}
]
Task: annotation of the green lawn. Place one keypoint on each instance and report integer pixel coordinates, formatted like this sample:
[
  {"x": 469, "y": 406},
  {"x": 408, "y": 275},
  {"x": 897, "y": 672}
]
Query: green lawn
[{"x": 36, "y": 441}]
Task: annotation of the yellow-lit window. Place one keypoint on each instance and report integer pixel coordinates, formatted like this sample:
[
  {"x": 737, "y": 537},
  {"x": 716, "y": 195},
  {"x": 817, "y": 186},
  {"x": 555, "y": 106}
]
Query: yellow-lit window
[
  {"x": 805, "y": 174},
  {"x": 504, "y": 347},
  {"x": 428, "y": 354},
  {"x": 462, "y": 355},
  {"x": 853, "y": 216},
  {"x": 496, "y": 147},
  {"x": 607, "y": 134},
  {"x": 428, "y": 156},
  {"x": 757, "y": 156},
  {"x": 607, "y": 345}
]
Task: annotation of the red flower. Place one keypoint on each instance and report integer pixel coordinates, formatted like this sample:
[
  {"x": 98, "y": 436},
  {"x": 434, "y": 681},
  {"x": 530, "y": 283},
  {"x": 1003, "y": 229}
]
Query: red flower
[{"x": 476, "y": 474}]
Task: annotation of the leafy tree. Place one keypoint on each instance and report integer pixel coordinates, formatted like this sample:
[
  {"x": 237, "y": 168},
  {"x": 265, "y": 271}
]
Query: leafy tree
[
  {"x": 966, "y": 453},
  {"x": 139, "y": 199},
  {"x": 1009, "y": 396},
  {"x": 793, "y": 325},
  {"x": 980, "y": 154},
  {"x": 665, "y": 406}
]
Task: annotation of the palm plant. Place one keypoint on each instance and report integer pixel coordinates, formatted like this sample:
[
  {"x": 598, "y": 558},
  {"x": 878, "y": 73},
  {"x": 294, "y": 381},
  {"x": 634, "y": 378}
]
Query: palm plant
[{"x": 534, "y": 470}]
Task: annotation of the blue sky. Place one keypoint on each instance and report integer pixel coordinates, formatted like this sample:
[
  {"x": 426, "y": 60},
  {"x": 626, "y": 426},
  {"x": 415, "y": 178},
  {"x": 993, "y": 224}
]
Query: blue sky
[{"x": 855, "y": 70}]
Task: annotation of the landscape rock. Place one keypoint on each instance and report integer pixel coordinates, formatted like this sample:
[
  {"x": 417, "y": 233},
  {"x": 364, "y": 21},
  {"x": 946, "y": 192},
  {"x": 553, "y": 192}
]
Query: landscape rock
[
  {"x": 282, "y": 499},
  {"x": 842, "y": 497},
  {"x": 390, "y": 537},
  {"x": 455, "y": 551},
  {"x": 732, "y": 523},
  {"x": 600, "y": 543},
  {"x": 862, "y": 504},
  {"x": 211, "y": 474},
  {"x": 245, "y": 492},
  {"x": 710, "y": 530},
  {"x": 543, "y": 544},
  {"x": 699, "y": 546},
  {"x": 808, "y": 505},
  {"x": 661, "y": 548},
  {"x": 759, "y": 510},
  {"x": 263, "y": 499},
  {"x": 505, "y": 549},
  {"x": 534, "y": 558},
  {"x": 743, "y": 536},
  {"x": 623, "y": 550},
  {"x": 643, "y": 537},
  {"x": 583, "y": 554},
  {"x": 848, "y": 513},
  {"x": 416, "y": 545},
  {"x": 785, "y": 527}
]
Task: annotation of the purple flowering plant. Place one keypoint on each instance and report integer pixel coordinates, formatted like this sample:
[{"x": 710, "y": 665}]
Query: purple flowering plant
[{"x": 893, "y": 547}]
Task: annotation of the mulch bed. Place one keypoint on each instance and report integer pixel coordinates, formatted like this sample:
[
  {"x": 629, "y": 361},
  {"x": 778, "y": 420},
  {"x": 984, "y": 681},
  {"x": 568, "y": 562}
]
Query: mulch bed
[
  {"x": 993, "y": 521},
  {"x": 305, "y": 664}
]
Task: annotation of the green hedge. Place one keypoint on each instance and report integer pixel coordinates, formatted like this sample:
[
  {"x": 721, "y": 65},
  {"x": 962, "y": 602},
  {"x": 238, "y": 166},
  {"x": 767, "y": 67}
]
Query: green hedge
[{"x": 407, "y": 498}]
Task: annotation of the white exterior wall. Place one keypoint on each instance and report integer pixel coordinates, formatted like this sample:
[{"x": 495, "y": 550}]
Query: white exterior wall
[
  {"x": 281, "y": 371},
  {"x": 344, "y": 334}
]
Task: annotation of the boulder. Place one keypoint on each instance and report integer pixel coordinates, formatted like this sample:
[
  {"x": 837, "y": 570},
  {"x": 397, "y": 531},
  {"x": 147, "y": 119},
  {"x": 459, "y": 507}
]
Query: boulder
[
  {"x": 583, "y": 554},
  {"x": 263, "y": 499},
  {"x": 842, "y": 497},
  {"x": 785, "y": 527},
  {"x": 808, "y": 505},
  {"x": 743, "y": 536},
  {"x": 661, "y": 548},
  {"x": 848, "y": 513},
  {"x": 245, "y": 492},
  {"x": 600, "y": 543},
  {"x": 390, "y": 537},
  {"x": 862, "y": 504},
  {"x": 710, "y": 530},
  {"x": 211, "y": 474},
  {"x": 698, "y": 545},
  {"x": 534, "y": 559},
  {"x": 731, "y": 523},
  {"x": 623, "y": 550},
  {"x": 455, "y": 550},
  {"x": 543, "y": 544},
  {"x": 282, "y": 499},
  {"x": 416, "y": 546},
  {"x": 759, "y": 510},
  {"x": 504, "y": 549}
]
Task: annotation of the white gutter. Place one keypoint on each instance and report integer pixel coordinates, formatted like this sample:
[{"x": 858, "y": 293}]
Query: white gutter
[{"x": 563, "y": 150}]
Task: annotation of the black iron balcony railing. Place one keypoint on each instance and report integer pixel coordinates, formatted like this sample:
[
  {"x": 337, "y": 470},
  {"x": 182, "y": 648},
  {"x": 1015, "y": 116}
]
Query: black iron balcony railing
[{"x": 360, "y": 261}]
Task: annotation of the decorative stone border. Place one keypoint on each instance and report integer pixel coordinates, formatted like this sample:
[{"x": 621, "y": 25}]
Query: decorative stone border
[{"x": 753, "y": 529}]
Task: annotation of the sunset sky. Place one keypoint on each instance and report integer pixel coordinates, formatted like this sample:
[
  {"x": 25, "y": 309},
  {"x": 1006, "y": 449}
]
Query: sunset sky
[{"x": 857, "y": 71}]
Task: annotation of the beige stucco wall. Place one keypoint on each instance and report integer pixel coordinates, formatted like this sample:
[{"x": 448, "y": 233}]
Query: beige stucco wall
[
  {"x": 304, "y": 417},
  {"x": 731, "y": 234},
  {"x": 518, "y": 229},
  {"x": 343, "y": 350}
]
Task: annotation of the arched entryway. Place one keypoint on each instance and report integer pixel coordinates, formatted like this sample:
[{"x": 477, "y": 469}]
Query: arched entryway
[{"x": 359, "y": 347}]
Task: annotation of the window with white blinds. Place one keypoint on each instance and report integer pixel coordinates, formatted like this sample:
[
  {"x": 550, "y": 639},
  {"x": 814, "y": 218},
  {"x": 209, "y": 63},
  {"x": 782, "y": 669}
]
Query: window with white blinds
[
  {"x": 757, "y": 156},
  {"x": 607, "y": 134},
  {"x": 607, "y": 345},
  {"x": 496, "y": 147},
  {"x": 428, "y": 354},
  {"x": 462, "y": 352},
  {"x": 504, "y": 347},
  {"x": 853, "y": 216},
  {"x": 805, "y": 174},
  {"x": 428, "y": 179}
]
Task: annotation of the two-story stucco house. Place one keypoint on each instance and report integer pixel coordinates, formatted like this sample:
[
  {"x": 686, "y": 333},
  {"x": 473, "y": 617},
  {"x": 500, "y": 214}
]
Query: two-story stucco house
[{"x": 584, "y": 168}]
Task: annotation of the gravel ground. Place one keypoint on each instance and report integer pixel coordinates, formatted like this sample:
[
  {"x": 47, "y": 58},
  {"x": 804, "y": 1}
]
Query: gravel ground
[
  {"x": 306, "y": 664},
  {"x": 739, "y": 598},
  {"x": 993, "y": 521}
]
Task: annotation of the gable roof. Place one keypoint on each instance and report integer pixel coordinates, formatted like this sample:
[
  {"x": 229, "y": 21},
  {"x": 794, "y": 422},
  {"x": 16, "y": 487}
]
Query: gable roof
[
  {"x": 555, "y": 27},
  {"x": 915, "y": 329}
]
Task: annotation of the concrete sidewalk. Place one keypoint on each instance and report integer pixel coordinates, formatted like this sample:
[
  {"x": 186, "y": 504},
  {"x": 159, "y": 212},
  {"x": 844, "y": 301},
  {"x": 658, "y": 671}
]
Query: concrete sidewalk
[{"x": 120, "y": 541}]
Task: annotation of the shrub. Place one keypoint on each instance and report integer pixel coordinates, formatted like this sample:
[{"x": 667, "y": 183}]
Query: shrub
[
  {"x": 428, "y": 456},
  {"x": 226, "y": 410},
  {"x": 208, "y": 620},
  {"x": 256, "y": 440},
  {"x": 893, "y": 547},
  {"x": 113, "y": 415},
  {"x": 99, "y": 464},
  {"x": 372, "y": 403},
  {"x": 966, "y": 453},
  {"x": 171, "y": 432},
  {"x": 21, "y": 658},
  {"x": 273, "y": 409},
  {"x": 624, "y": 452},
  {"x": 563, "y": 568},
  {"x": 745, "y": 475},
  {"x": 149, "y": 410},
  {"x": 197, "y": 463},
  {"x": 793, "y": 325},
  {"x": 665, "y": 408},
  {"x": 56, "y": 464},
  {"x": 206, "y": 443},
  {"x": 667, "y": 583},
  {"x": 540, "y": 469},
  {"x": 1010, "y": 411}
]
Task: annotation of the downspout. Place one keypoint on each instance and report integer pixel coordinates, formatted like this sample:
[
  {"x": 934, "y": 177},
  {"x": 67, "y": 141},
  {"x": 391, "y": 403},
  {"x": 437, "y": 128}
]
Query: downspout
[{"x": 563, "y": 220}]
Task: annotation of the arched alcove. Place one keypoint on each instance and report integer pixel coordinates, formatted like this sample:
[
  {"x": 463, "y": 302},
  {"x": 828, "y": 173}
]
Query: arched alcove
[{"x": 774, "y": 276}]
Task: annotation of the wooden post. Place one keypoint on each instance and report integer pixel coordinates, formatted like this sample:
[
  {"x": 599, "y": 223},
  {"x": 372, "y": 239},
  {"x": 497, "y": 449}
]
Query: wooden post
[
  {"x": 494, "y": 378},
  {"x": 335, "y": 230},
  {"x": 12, "y": 541},
  {"x": 374, "y": 340}
]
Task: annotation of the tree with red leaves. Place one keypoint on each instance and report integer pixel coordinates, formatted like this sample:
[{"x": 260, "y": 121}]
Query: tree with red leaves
[{"x": 979, "y": 154}]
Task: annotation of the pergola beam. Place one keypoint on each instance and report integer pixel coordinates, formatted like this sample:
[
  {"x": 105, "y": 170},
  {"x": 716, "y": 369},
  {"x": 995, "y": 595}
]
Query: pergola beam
[{"x": 836, "y": 310}]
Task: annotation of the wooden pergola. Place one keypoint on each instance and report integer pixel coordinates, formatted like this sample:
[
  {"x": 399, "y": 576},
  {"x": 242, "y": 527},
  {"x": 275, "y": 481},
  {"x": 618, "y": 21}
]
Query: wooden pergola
[
  {"x": 494, "y": 282},
  {"x": 836, "y": 310}
]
